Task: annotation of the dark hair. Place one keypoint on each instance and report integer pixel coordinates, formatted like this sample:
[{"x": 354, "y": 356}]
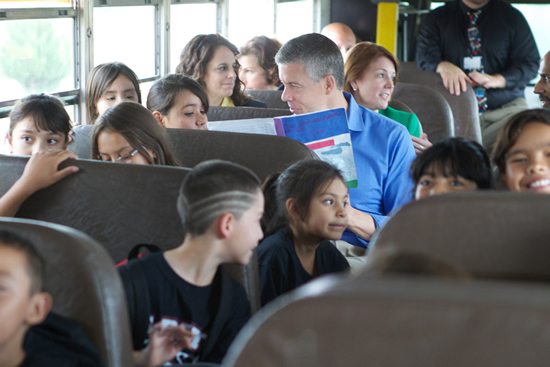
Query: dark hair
[
  {"x": 317, "y": 53},
  {"x": 359, "y": 58},
  {"x": 138, "y": 126},
  {"x": 456, "y": 157},
  {"x": 213, "y": 188},
  {"x": 163, "y": 93},
  {"x": 99, "y": 79},
  {"x": 47, "y": 112},
  {"x": 197, "y": 54},
  {"x": 301, "y": 182},
  {"x": 264, "y": 49},
  {"x": 509, "y": 134},
  {"x": 35, "y": 262}
]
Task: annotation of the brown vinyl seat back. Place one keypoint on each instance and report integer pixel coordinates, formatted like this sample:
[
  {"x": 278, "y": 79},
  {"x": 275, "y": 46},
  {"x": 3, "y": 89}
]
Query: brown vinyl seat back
[
  {"x": 263, "y": 154},
  {"x": 396, "y": 322},
  {"x": 84, "y": 284},
  {"x": 495, "y": 235},
  {"x": 464, "y": 107},
  {"x": 398, "y": 105},
  {"x": 430, "y": 107},
  {"x": 271, "y": 97},
  {"x": 216, "y": 113},
  {"x": 120, "y": 206}
]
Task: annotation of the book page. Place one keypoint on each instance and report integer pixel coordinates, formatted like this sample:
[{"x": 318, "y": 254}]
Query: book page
[{"x": 265, "y": 126}]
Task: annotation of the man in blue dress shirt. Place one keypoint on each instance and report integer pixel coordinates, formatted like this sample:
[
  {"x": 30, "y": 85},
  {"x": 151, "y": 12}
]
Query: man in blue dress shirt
[{"x": 311, "y": 68}]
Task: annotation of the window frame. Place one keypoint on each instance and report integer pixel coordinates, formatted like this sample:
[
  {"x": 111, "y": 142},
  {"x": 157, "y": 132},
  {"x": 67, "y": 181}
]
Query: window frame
[{"x": 81, "y": 11}]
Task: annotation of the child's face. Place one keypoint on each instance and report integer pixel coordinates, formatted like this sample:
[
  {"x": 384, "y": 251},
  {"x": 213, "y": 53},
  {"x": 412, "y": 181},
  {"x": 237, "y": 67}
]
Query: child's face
[
  {"x": 120, "y": 90},
  {"x": 327, "y": 216},
  {"x": 527, "y": 162},
  {"x": 113, "y": 147},
  {"x": 247, "y": 232},
  {"x": 186, "y": 113},
  {"x": 26, "y": 139},
  {"x": 434, "y": 182},
  {"x": 19, "y": 309}
]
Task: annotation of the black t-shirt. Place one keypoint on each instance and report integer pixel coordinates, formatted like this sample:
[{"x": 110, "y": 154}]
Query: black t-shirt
[
  {"x": 175, "y": 301},
  {"x": 59, "y": 342},
  {"x": 281, "y": 270}
]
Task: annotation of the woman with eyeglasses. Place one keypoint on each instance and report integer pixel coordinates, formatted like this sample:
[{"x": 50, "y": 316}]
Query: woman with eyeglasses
[
  {"x": 211, "y": 61},
  {"x": 128, "y": 133}
]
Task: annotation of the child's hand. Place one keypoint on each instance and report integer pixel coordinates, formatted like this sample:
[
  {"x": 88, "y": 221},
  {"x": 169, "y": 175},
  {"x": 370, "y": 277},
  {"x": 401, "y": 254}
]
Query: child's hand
[
  {"x": 42, "y": 171},
  {"x": 165, "y": 343}
]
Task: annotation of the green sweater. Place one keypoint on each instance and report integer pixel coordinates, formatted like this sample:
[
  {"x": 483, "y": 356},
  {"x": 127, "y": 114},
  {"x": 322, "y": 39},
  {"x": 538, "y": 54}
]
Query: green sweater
[{"x": 409, "y": 120}]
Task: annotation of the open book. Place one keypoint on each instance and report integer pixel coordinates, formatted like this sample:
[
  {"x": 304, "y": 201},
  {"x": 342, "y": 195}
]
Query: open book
[{"x": 324, "y": 132}]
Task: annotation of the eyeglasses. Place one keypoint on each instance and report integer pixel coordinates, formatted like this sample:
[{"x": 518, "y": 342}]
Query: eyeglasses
[{"x": 126, "y": 158}]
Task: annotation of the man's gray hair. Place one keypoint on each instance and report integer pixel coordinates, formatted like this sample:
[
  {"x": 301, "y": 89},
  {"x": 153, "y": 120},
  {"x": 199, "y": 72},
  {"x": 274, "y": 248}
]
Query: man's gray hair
[{"x": 319, "y": 55}]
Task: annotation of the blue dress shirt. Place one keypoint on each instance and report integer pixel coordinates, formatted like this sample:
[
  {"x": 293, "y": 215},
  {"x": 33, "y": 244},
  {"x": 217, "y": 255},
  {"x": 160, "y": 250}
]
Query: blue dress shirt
[{"x": 383, "y": 153}]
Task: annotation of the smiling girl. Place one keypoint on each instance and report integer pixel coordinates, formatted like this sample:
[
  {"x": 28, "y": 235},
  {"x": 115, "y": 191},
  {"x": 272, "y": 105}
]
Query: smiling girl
[
  {"x": 522, "y": 152},
  {"x": 211, "y": 60}
]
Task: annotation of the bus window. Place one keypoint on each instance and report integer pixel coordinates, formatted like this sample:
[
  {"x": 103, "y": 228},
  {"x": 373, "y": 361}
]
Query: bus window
[
  {"x": 126, "y": 34},
  {"x": 250, "y": 18},
  {"x": 35, "y": 4},
  {"x": 294, "y": 18},
  {"x": 188, "y": 20},
  {"x": 36, "y": 56}
]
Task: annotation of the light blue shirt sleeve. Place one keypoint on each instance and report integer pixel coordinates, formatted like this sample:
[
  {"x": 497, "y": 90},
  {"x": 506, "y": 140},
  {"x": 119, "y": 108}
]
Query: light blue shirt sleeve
[{"x": 383, "y": 152}]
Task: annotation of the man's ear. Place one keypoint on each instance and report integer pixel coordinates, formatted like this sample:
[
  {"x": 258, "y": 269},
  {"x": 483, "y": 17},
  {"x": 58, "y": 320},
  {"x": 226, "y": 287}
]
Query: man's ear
[
  {"x": 39, "y": 307},
  {"x": 291, "y": 209},
  {"x": 329, "y": 84},
  {"x": 226, "y": 223},
  {"x": 160, "y": 118}
]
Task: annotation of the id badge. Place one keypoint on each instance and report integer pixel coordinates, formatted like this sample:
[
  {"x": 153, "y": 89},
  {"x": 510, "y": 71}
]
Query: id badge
[{"x": 472, "y": 63}]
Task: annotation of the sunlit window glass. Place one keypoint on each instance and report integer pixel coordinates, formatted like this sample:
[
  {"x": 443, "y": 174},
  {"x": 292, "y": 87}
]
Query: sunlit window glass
[
  {"x": 35, "y": 4},
  {"x": 250, "y": 20},
  {"x": 126, "y": 34},
  {"x": 187, "y": 21},
  {"x": 294, "y": 18},
  {"x": 36, "y": 56}
]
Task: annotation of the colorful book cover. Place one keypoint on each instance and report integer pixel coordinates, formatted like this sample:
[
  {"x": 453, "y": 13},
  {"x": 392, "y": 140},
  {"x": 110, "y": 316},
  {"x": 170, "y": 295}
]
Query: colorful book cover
[{"x": 327, "y": 134}]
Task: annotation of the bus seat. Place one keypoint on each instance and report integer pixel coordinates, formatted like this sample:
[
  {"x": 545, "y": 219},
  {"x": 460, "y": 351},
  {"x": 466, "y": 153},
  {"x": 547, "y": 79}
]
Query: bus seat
[
  {"x": 399, "y": 322},
  {"x": 464, "y": 107},
  {"x": 216, "y": 113},
  {"x": 81, "y": 143},
  {"x": 398, "y": 105},
  {"x": 263, "y": 154},
  {"x": 431, "y": 109},
  {"x": 271, "y": 97},
  {"x": 120, "y": 206},
  {"x": 492, "y": 235},
  {"x": 85, "y": 286}
]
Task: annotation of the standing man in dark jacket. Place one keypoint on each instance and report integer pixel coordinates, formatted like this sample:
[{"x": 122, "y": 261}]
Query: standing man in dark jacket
[{"x": 487, "y": 44}]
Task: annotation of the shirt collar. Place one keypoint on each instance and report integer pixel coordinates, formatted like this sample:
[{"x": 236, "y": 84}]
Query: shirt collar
[{"x": 354, "y": 111}]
